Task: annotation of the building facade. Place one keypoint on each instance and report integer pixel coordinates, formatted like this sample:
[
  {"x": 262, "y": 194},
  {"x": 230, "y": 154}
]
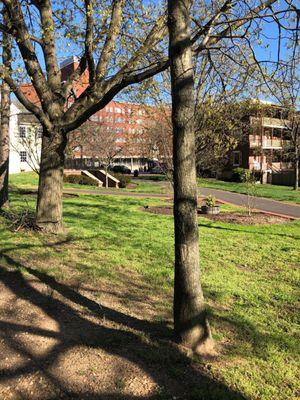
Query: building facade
[
  {"x": 25, "y": 140},
  {"x": 265, "y": 148},
  {"x": 125, "y": 122}
]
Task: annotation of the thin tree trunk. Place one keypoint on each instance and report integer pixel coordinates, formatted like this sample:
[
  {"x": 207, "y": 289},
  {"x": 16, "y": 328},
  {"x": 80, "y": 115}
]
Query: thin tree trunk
[
  {"x": 190, "y": 322},
  {"x": 106, "y": 177},
  {"x": 49, "y": 215},
  {"x": 296, "y": 183},
  {"x": 4, "y": 122}
]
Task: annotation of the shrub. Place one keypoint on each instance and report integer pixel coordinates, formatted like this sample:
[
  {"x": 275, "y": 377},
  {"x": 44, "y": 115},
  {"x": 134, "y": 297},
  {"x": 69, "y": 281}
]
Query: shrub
[
  {"x": 124, "y": 180},
  {"x": 80, "y": 179},
  {"x": 210, "y": 201},
  {"x": 239, "y": 174},
  {"x": 135, "y": 173},
  {"x": 256, "y": 175}
]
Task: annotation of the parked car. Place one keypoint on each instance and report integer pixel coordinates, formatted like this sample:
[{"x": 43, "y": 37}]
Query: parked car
[
  {"x": 156, "y": 170},
  {"x": 121, "y": 169}
]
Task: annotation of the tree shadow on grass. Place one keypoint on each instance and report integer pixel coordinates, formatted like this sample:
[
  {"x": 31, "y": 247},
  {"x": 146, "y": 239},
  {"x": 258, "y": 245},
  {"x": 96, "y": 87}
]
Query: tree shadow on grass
[
  {"x": 139, "y": 342},
  {"x": 250, "y": 232}
]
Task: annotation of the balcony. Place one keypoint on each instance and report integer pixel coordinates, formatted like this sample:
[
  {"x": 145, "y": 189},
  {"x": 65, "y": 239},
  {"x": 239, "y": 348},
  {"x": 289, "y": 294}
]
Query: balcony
[
  {"x": 270, "y": 122},
  {"x": 273, "y": 143},
  {"x": 264, "y": 142}
]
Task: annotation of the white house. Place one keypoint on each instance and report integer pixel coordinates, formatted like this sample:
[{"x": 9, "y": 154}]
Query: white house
[{"x": 25, "y": 140}]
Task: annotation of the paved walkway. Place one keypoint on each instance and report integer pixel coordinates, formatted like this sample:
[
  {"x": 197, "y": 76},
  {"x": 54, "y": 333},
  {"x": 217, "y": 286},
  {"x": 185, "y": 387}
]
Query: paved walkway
[{"x": 260, "y": 203}]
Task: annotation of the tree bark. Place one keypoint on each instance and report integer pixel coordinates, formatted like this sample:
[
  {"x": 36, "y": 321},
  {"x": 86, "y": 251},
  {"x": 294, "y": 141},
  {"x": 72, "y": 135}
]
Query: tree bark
[
  {"x": 296, "y": 183},
  {"x": 296, "y": 164},
  {"x": 106, "y": 176},
  {"x": 49, "y": 215},
  {"x": 4, "y": 144},
  {"x": 4, "y": 122},
  {"x": 190, "y": 322}
]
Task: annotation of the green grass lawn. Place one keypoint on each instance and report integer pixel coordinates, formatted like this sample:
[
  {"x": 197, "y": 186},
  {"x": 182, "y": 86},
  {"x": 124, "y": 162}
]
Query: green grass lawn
[
  {"x": 250, "y": 276},
  {"x": 156, "y": 185},
  {"x": 283, "y": 193}
]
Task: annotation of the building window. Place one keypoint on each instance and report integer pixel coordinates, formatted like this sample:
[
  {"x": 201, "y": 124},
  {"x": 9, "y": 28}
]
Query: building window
[
  {"x": 22, "y": 131},
  {"x": 23, "y": 156},
  {"x": 237, "y": 158},
  {"x": 39, "y": 132},
  {"x": 118, "y": 110}
]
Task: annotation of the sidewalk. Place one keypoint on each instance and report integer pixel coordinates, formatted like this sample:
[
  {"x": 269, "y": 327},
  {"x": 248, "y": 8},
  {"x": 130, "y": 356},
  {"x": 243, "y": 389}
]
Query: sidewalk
[{"x": 260, "y": 203}]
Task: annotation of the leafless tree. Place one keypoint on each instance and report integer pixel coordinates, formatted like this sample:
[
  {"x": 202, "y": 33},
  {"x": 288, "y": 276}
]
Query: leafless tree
[
  {"x": 190, "y": 322},
  {"x": 100, "y": 142},
  {"x": 116, "y": 53}
]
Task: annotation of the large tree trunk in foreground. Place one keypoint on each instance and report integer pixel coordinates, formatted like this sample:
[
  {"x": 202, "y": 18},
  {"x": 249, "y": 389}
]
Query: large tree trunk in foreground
[
  {"x": 4, "y": 144},
  {"x": 4, "y": 122},
  {"x": 190, "y": 323},
  {"x": 49, "y": 215}
]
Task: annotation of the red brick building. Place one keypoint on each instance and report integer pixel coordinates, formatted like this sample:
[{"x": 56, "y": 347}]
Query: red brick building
[
  {"x": 128, "y": 122},
  {"x": 265, "y": 149}
]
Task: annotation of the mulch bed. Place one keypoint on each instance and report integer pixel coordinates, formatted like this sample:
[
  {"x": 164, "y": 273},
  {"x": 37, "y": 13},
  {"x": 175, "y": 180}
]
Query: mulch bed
[
  {"x": 165, "y": 210},
  {"x": 131, "y": 186},
  {"x": 231, "y": 217},
  {"x": 256, "y": 218}
]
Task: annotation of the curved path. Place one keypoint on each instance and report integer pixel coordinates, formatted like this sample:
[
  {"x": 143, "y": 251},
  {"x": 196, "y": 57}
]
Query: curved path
[{"x": 259, "y": 203}]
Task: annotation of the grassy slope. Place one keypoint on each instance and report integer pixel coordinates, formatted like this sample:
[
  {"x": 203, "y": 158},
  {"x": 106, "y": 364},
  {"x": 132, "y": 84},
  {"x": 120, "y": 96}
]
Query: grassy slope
[
  {"x": 284, "y": 193},
  {"x": 249, "y": 278},
  {"x": 30, "y": 180}
]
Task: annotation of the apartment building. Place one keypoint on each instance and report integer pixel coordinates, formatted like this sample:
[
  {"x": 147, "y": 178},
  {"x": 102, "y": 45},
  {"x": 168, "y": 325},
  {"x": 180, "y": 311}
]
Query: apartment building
[
  {"x": 265, "y": 148},
  {"x": 125, "y": 121}
]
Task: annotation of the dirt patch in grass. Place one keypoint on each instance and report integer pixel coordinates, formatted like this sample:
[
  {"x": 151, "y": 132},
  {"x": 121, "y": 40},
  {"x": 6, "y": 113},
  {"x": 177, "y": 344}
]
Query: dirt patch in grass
[
  {"x": 257, "y": 218},
  {"x": 164, "y": 210},
  {"x": 131, "y": 186},
  {"x": 59, "y": 340}
]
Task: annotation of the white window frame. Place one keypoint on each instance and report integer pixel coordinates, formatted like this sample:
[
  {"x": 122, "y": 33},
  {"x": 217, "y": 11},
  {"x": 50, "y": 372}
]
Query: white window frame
[
  {"x": 39, "y": 132},
  {"x": 23, "y": 156},
  {"x": 22, "y": 131}
]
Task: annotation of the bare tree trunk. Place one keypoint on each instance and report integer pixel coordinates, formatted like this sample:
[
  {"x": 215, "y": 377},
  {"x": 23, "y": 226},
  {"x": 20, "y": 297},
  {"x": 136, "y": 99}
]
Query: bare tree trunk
[
  {"x": 4, "y": 122},
  {"x": 106, "y": 177},
  {"x": 49, "y": 203},
  {"x": 4, "y": 144},
  {"x": 190, "y": 323},
  {"x": 296, "y": 182}
]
